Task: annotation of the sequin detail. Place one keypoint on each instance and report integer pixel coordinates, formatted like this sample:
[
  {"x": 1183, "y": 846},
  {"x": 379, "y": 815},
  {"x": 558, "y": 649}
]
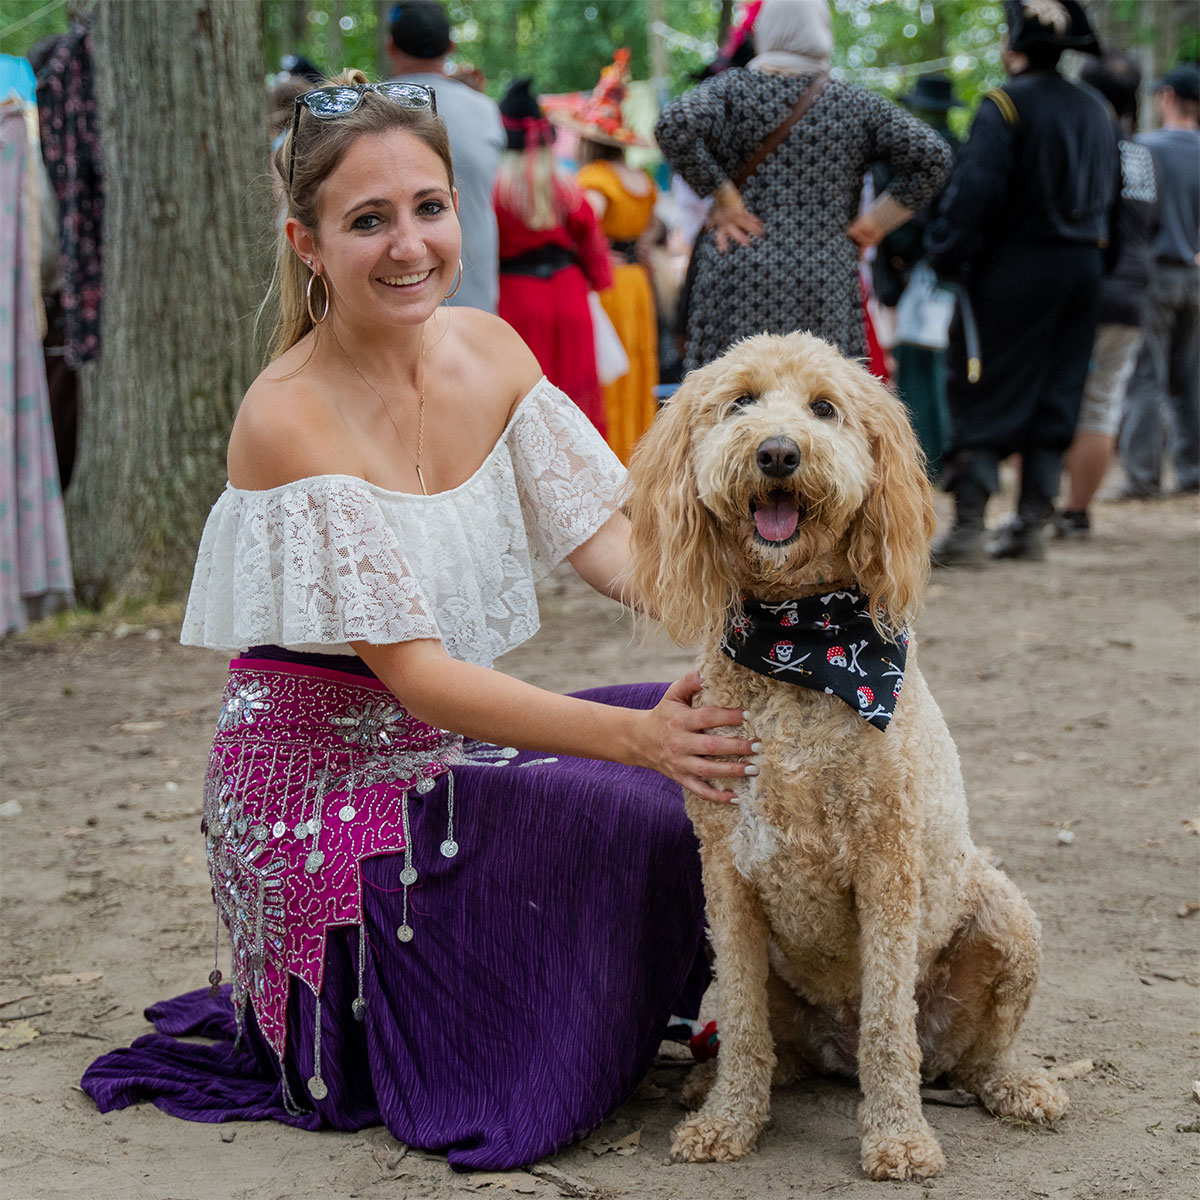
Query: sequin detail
[
  {"x": 244, "y": 705},
  {"x": 323, "y": 766}
]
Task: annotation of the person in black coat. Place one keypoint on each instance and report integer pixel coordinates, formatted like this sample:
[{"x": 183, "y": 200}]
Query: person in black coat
[
  {"x": 1023, "y": 226},
  {"x": 1122, "y": 297}
]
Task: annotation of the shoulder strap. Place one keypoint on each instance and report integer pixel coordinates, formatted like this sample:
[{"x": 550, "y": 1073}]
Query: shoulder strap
[
  {"x": 1004, "y": 102},
  {"x": 807, "y": 97}
]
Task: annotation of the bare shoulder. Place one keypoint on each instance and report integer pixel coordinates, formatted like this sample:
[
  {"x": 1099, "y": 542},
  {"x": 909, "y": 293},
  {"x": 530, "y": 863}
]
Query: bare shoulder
[
  {"x": 500, "y": 367},
  {"x": 286, "y": 430}
]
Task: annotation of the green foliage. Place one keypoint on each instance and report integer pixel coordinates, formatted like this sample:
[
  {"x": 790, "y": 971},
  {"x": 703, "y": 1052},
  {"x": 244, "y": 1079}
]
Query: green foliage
[
  {"x": 23, "y": 23},
  {"x": 331, "y": 33}
]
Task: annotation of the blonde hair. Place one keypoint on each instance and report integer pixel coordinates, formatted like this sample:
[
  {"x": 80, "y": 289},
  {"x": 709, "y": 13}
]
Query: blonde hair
[
  {"x": 320, "y": 147},
  {"x": 539, "y": 193}
]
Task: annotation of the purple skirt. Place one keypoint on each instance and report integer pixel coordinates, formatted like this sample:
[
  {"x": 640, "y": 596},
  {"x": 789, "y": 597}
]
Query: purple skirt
[{"x": 548, "y": 954}]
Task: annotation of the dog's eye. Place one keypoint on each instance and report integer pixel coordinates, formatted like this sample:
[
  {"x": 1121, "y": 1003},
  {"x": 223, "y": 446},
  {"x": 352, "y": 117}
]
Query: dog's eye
[
  {"x": 743, "y": 402},
  {"x": 823, "y": 409}
]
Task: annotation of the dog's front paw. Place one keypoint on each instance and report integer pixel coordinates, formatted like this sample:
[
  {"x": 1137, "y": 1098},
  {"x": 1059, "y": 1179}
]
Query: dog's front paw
[
  {"x": 1025, "y": 1096},
  {"x": 913, "y": 1154},
  {"x": 709, "y": 1138}
]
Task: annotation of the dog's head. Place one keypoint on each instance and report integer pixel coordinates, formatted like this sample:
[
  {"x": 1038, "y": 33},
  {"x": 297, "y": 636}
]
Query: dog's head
[{"x": 774, "y": 469}]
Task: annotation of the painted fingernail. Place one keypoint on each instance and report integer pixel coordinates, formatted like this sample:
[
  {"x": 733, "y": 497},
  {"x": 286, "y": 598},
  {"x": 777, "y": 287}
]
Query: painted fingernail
[
  {"x": 745, "y": 714},
  {"x": 756, "y": 747},
  {"x": 751, "y": 769}
]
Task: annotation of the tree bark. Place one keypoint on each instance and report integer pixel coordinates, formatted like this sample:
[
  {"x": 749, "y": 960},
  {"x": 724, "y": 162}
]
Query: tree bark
[{"x": 186, "y": 244}]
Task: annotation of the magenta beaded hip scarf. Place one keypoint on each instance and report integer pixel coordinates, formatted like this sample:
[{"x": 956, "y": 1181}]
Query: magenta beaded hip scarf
[{"x": 309, "y": 774}]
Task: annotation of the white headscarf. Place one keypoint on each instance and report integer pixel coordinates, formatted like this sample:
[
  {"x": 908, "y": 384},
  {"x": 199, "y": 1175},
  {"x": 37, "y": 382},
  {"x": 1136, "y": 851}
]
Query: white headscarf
[{"x": 794, "y": 37}]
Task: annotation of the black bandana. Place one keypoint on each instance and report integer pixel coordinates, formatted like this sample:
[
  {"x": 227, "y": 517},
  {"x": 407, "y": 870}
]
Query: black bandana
[{"x": 826, "y": 643}]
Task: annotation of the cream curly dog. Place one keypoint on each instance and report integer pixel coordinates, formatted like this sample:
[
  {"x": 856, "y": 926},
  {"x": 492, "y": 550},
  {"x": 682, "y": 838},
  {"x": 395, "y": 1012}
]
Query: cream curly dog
[{"x": 856, "y": 927}]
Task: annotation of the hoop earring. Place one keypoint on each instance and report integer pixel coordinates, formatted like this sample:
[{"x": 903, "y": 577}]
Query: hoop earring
[
  {"x": 457, "y": 282},
  {"x": 308, "y": 298}
]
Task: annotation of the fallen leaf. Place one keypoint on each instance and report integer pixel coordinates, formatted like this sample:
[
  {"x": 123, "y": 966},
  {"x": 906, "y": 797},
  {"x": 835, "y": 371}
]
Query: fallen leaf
[
  {"x": 1187, "y": 910},
  {"x": 72, "y": 980},
  {"x": 649, "y": 1091},
  {"x": 1191, "y": 825},
  {"x": 1074, "y": 1070},
  {"x": 624, "y": 1145},
  {"x": 16, "y": 1033},
  {"x": 628, "y": 1144},
  {"x": 512, "y": 1181}
]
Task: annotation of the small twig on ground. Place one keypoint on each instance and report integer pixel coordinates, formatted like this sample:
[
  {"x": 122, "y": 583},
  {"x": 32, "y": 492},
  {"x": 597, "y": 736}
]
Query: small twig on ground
[
  {"x": 567, "y": 1185},
  {"x": 950, "y": 1097}
]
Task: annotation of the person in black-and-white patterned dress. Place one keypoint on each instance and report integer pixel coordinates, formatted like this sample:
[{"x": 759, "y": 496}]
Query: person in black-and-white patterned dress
[{"x": 782, "y": 254}]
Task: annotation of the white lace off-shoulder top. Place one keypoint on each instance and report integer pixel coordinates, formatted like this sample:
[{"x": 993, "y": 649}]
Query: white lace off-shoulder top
[{"x": 317, "y": 563}]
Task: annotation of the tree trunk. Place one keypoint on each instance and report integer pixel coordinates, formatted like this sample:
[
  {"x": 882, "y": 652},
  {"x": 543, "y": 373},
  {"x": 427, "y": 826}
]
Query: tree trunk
[{"x": 183, "y": 122}]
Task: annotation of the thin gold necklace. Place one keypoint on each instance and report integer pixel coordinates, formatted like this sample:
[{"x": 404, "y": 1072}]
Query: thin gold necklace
[{"x": 416, "y": 462}]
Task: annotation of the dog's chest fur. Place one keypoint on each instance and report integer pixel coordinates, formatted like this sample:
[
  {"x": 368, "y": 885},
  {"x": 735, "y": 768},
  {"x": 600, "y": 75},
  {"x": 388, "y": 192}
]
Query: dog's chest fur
[{"x": 795, "y": 831}]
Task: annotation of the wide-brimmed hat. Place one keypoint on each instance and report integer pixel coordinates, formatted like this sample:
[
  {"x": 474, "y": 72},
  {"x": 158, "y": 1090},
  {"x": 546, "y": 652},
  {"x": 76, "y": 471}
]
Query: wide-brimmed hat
[
  {"x": 1055, "y": 24},
  {"x": 599, "y": 116},
  {"x": 933, "y": 92}
]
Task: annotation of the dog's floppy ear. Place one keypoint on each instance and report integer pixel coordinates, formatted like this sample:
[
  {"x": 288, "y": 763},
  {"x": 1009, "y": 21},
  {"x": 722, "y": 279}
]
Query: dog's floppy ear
[
  {"x": 889, "y": 542},
  {"x": 677, "y": 572}
]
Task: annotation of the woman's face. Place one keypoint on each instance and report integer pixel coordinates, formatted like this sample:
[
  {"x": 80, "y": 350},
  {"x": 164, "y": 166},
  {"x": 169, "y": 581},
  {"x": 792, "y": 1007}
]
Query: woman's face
[{"x": 388, "y": 240}]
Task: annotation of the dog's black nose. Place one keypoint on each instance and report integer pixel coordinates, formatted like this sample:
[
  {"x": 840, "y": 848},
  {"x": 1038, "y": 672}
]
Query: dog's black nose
[{"x": 778, "y": 456}]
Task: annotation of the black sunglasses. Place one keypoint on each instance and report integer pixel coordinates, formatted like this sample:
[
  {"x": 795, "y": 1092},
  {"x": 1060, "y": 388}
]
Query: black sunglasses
[{"x": 328, "y": 103}]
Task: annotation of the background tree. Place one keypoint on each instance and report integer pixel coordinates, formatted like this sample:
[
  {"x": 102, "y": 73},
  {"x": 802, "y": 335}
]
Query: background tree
[{"x": 183, "y": 119}]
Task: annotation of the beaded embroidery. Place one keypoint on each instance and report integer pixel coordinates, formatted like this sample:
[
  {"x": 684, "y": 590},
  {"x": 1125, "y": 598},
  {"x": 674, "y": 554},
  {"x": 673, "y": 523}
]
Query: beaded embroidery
[{"x": 309, "y": 774}]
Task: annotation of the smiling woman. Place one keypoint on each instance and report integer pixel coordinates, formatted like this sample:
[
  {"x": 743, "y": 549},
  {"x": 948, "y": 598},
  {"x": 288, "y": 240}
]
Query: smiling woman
[{"x": 457, "y": 904}]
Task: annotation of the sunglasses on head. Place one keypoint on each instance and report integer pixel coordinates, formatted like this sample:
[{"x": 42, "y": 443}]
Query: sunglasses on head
[{"x": 328, "y": 103}]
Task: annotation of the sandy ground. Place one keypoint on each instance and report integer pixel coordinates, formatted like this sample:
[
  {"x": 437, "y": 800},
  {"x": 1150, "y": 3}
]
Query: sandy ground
[{"x": 1071, "y": 687}]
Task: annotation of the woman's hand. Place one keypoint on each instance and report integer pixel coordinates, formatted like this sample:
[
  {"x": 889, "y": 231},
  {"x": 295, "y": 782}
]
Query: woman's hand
[
  {"x": 676, "y": 742},
  {"x": 865, "y": 231},
  {"x": 730, "y": 220}
]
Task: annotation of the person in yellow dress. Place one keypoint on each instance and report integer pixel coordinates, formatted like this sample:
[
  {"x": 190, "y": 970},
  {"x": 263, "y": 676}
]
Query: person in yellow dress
[{"x": 623, "y": 197}]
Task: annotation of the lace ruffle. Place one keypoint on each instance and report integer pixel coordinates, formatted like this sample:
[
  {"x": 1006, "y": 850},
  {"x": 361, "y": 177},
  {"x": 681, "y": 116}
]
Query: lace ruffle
[{"x": 331, "y": 559}]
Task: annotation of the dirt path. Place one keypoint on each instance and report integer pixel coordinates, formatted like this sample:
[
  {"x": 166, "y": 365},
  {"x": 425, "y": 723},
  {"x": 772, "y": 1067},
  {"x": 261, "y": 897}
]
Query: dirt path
[{"x": 1071, "y": 687}]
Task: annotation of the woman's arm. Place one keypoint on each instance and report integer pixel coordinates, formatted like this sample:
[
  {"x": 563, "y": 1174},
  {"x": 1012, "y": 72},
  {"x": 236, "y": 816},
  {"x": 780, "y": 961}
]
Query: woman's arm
[
  {"x": 493, "y": 707},
  {"x": 603, "y": 560},
  {"x": 921, "y": 161}
]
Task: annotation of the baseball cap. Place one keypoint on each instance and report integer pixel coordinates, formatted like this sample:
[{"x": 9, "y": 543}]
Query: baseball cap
[
  {"x": 420, "y": 28},
  {"x": 1183, "y": 80}
]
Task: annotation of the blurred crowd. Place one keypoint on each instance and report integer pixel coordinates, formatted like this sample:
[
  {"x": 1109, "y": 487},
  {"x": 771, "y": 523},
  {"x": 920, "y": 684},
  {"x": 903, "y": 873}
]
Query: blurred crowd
[{"x": 1031, "y": 293}]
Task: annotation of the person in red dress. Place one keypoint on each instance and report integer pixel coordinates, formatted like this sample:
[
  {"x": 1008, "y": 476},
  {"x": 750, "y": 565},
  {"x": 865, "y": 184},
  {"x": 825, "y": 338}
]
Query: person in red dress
[{"x": 551, "y": 253}]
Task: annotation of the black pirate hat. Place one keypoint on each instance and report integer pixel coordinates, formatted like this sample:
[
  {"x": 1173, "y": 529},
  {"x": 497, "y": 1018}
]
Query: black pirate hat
[{"x": 1049, "y": 24}]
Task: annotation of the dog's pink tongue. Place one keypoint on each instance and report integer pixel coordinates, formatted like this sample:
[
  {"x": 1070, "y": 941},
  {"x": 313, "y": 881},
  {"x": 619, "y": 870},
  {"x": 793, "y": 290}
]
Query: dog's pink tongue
[{"x": 776, "y": 517}]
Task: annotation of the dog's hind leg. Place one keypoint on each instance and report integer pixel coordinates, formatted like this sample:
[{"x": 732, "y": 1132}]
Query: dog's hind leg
[
  {"x": 736, "y": 1108},
  {"x": 992, "y": 971}
]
